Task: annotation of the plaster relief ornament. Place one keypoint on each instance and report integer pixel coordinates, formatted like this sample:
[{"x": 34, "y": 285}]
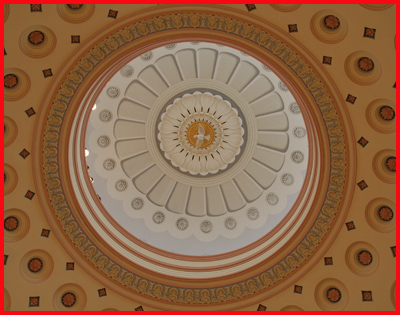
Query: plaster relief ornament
[
  {"x": 158, "y": 217},
  {"x": 200, "y": 133},
  {"x": 36, "y": 37},
  {"x": 11, "y": 223},
  {"x": 109, "y": 164},
  {"x": 333, "y": 295},
  {"x": 103, "y": 141},
  {"x": 127, "y": 71},
  {"x": 105, "y": 115},
  {"x": 113, "y": 92},
  {"x": 331, "y": 22},
  {"x": 387, "y": 113},
  {"x": 365, "y": 64},
  {"x": 294, "y": 108},
  {"x": 10, "y": 80},
  {"x": 252, "y": 213},
  {"x": 68, "y": 299},
  {"x": 137, "y": 203},
  {"x": 385, "y": 213},
  {"x": 35, "y": 265}
]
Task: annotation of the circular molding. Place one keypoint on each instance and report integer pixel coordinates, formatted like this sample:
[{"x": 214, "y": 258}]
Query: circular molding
[
  {"x": 322, "y": 98},
  {"x": 10, "y": 131},
  {"x": 7, "y": 300},
  {"x": 363, "y": 68},
  {"x": 36, "y": 266},
  {"x": 286, "y": 7},
  {"x": 329, "y": 26},
  {"x": 331, "y": 295},
  {"x": 195, "y": 143},
  {"x": 78, "y": 15},
  {"x": 292, "y": 308},
  {"x": 374, "y": 214},
  {"x": 393, "y": 294},
  {"x": 384, "y": 167},
  {"x": 10, "y": 179},
  {"x": 105, "y": 115},
  {"x": 37, "y": 41},
  {"x": 22, "y": 225},
  {"x": 127, "y": 71},
  {"x": 6, "y": 12},
  {"x": 18, "y": 90},
  {"x": 381, "y": 115},
  {"x": 362, "y": 258},
  {"x": 109, "y": 309},
  {"x": 376, "y": 7},
  {"x": 65, "y": 293}
]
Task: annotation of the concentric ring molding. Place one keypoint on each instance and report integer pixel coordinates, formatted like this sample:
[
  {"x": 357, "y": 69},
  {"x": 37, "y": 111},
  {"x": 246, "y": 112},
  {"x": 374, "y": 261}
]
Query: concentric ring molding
[
  {"x": 10, "y": 131},
  {"x": 372, "y": 215},
  {"x": 77, "y": 291},
  {"x": 376, "y": 7},
  {"x": 46, "y": 269},
  {"x": 40, "y": 50},
  {"x": 359, "y": 76},
  {"x": 75, "y": 16},
  {"x": 21, "y": 89},
  {"x": 7, "y": 300},
  {"x": 320, "y": 295},
  {"x": 10, "y": 179},
  {"x": 393, "y": 294},
  {"x": 6, "y": 12},
  {"x": 22, "y": 227},
  {"x": 324, "y": 34},
  {"x": 380, "y": 168},
  {"x": 374, "y": 118},
  {"x": 292, "y": 308},
  {"x": 353, "y": 263},
  {"x": 286, "y": 7},
  {"x": 319, "y": 95}
]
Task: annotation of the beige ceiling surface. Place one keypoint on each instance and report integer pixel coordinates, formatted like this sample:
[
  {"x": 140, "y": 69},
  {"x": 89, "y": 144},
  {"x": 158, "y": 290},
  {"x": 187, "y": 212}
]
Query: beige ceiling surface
[{"x": 369, "y": 233}]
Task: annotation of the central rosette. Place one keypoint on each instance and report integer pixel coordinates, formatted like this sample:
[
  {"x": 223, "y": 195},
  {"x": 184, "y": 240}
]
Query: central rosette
[{"x": 200, "y": 133}]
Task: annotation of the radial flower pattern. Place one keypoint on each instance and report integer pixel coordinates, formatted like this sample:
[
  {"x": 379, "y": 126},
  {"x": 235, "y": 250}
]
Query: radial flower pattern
[
  {"x": 181, "y": 139},
  {"x": 202, "y": 132}
]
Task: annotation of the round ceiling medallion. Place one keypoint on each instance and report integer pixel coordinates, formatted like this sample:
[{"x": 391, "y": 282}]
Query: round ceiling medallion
[
  {"x": 200, "y": 133},
  {"x": 10, "y": 81},
  {"x": 380, "y": 115},
  {"x": 387, "y": 113},
  {"x": 10, "y": 131},
  {"x": 10, "y": 223},
  {"x": 37, "y": 41},
  {"x": 362, "y": 258},
  {"x": 363, "y": 68},
  {"x": 231, "y": 272},
  {"x": 69, "y": 297},
  {"x": 381, "y": 215},
  {"x": 36, "y": 37},
  {"x": 16, "y": 225},
  {"x": 331, "y": 22},
  {"x": 331, "y": 295},
  {"x": 16, "y": 84},
  {"x": 385, "y": 213},
  {"x": 329, "y": 26},
  {"x": 36, "y": 266}
]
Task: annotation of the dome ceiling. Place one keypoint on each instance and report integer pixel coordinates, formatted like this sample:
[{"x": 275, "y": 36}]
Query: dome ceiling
[
  {"x": 151, "y": 162},
  {"x": 239, "y": 157}
]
